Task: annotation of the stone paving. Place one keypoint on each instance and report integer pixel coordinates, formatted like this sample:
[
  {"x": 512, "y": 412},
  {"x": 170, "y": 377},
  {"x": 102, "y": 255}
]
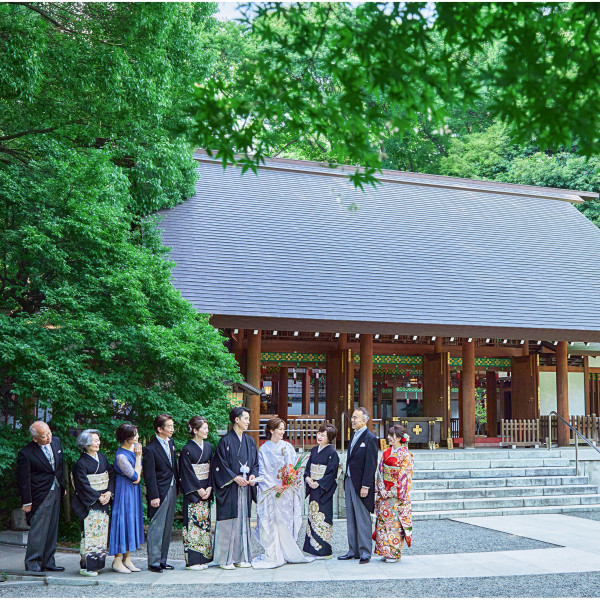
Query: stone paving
[{"x": 569, "y": 545}]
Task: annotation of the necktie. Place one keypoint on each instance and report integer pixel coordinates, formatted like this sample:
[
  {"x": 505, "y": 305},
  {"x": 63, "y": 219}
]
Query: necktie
[
  {"x": 168, "y": 451},
  {"x": 49, "y": 455},
  {"x": 354, "y": 440}
]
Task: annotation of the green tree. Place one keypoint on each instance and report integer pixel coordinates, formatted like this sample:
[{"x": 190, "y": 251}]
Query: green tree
[
  {"x": 92, "y": 140},
  {"x": 387, "y": 69}
]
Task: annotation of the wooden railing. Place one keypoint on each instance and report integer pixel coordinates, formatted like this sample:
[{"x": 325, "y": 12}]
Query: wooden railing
[
  {"x": 587, "y": 425},
  {"x": 303, "y": 432},
  {"x": 515, "y": 432}
]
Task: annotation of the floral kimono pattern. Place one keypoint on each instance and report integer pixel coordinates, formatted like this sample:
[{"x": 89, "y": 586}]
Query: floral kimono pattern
[
  {"x": 196, "y": 534},
  {"x": 393, "y": 516}
]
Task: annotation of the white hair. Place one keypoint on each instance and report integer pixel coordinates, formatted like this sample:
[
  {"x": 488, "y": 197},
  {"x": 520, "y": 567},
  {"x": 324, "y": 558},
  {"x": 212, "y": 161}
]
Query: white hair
[
  {"x": 84, "y": 439},
  {"x": 33, "y": 432}
]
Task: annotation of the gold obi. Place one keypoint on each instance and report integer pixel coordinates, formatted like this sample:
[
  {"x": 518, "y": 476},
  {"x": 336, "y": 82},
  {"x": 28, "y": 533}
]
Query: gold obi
[
  {"x": 391, "y": 474},
  {"x": 202, "y": 471},
  {"x": 98, "y": 481},
  {"x": 317, "y": 471}
]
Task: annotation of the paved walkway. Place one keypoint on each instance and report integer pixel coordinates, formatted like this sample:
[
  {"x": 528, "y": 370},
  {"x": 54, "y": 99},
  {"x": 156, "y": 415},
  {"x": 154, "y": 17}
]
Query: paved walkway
[{"x": 578, "y": 552}]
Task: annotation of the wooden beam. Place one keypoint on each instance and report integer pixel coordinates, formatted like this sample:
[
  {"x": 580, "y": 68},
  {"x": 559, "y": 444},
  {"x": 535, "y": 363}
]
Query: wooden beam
[
  {"x": 366, "y": 373},
  {"x": 402, "y": 328},
  {"x": 468, "y": 395},
  {"x": 253, "y": 378},
  {"x": 438, "y": 345},
  {"x": 525, "y": 348},
  {"x": 562, "y": 393}
]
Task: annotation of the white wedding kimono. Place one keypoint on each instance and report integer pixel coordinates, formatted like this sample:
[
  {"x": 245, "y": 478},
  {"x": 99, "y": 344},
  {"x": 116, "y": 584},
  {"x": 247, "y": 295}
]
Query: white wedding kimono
[{"x": 279, "y": 519}]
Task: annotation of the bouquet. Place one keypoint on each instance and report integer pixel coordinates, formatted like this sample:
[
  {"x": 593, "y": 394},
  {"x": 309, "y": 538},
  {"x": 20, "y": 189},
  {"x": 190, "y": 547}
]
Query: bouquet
[{"x": 289, "y": 476}]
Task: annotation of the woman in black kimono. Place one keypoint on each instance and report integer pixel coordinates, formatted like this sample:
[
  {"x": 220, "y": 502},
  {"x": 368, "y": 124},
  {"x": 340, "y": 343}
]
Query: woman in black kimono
[
  {"x": 321, "y": 482},
  {"x": 94, "y": 483},
  {"x": 196, "y": 484}
]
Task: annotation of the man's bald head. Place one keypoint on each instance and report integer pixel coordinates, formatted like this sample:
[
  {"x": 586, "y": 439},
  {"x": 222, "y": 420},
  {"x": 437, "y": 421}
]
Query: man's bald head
[{"x": 40, "y": 432}]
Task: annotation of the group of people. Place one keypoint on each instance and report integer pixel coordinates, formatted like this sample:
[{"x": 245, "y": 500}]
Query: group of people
[{"x": 233, "y": 476}]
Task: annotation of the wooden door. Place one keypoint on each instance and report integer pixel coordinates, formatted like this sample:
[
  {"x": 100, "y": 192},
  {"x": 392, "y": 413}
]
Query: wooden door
[
  {"x": 525, "y": 384},
  {"x": 436, "y": 389}
]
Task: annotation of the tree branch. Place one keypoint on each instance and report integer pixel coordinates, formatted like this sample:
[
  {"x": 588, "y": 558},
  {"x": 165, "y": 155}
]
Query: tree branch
[{"x": 56, "y": 24}]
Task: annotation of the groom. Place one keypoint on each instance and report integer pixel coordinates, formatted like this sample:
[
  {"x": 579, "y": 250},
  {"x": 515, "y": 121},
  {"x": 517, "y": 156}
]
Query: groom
[{"x": 359, "y": 485}]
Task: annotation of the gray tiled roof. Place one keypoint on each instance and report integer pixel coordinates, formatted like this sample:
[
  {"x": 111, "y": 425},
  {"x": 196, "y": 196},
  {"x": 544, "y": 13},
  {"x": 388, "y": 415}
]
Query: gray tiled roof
[{"x": 423, "y": 256}]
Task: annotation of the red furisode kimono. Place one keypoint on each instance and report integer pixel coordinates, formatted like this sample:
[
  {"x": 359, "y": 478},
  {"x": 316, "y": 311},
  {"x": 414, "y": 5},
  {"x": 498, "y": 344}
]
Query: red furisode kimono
[{"x": 393, "y": 516}]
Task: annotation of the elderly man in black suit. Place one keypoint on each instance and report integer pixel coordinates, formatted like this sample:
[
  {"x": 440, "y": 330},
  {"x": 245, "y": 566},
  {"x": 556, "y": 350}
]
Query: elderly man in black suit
[
  {"x": 161, "y": 477},
  {"x": 359, "y": 486},
  {"x": 41, "y": 482}
]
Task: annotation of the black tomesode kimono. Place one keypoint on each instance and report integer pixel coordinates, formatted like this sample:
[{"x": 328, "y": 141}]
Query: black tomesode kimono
[
  {"x": 322, "y": 467},
  {"x": 232, "y": 534},
  {"x": 91, "y": 478},
  {"x": 195, "y": 473}
]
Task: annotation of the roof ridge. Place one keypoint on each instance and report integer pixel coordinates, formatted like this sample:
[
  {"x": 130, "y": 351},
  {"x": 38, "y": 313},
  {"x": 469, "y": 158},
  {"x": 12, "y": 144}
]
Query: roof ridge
[{"x": 420, "y": 179}]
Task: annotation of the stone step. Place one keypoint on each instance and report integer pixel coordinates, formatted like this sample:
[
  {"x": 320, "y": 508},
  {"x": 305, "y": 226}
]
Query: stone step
[
  {"x": 492, "y": 454},
  {"x": 492, "y": 473},
  {"x": 497, "y": 482},
  {"x": 501, "y": 492},
  {"x": 491, "y": 512},
  {"x": 497, "y": 463},
  {"x": 497, "y": 503}
]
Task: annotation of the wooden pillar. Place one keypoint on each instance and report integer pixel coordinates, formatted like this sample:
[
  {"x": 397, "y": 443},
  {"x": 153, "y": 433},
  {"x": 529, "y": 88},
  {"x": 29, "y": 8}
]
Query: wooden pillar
[
  {"x": 253, "y": 378},
  {"x": 306, "y": 393},
  {"x": 379, "y": 396},
  {"x": 438, "y": 345},
  {"x": 366, "y": 373},
  {"x": 282, "y": 407},
  {"x": 586, "y": 384},
  {"x": 468, "y": 393},
  {"x": 460, "y": 405},
  {"x": 491, "y": 403},
  {"x": 316, "y": 400},
  {"x": 395, "y": 399},
  {"x": 525, "y": 348},
  {"x": 332, "y": 387},
  {"x": 562, "y": 393},
  {"x": 238, "y": 350}
]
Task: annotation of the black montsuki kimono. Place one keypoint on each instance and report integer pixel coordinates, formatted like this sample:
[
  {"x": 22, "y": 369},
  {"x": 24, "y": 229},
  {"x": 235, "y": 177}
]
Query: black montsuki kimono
[
  {"x": 226, "y": 465},
  {"x": 93, "y": 515},
  {"x": 319, "y": 529},
  {"x": 196, "y": 512}
]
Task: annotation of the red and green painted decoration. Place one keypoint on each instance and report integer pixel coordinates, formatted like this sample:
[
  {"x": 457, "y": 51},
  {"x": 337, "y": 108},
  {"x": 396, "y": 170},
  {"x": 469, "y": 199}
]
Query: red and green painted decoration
[{"x": 412, "y": 362}]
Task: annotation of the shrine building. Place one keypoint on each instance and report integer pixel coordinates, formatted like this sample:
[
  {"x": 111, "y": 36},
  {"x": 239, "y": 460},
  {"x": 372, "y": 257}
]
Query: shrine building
[{"x": 474, "y": 302}]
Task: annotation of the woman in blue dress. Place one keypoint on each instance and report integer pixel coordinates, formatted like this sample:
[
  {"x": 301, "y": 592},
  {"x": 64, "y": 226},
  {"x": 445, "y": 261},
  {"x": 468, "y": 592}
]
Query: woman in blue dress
[{"x": 127, "y": 523}]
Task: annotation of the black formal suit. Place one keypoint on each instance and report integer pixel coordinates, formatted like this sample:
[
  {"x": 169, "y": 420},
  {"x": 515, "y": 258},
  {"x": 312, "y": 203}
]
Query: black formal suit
[
  {"x": 158, "y": 472},
  {"x": 35, "y": 474},
  {"x": 161, "y": 477},
  {"x": 35, "y": 478},
  {"x": 362, "y": 461}
]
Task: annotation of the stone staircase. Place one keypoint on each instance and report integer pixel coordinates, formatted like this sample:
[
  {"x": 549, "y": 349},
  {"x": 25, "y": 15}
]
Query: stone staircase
[{"x": 475, "y": 483}]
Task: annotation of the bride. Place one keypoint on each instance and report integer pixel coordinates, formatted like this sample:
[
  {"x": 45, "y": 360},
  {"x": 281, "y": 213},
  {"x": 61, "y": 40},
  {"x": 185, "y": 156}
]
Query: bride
[{"x": 279, "y": 518}]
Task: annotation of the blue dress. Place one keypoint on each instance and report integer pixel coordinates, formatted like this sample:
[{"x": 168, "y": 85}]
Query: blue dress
[{"x": 127, "y": 522}]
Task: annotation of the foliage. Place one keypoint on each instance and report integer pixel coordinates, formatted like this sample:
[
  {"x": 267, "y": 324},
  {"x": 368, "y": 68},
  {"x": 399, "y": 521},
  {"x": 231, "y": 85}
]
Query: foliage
[
  {"x": 352, "y": 75},
  {"x": 92, "y": 140}
]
